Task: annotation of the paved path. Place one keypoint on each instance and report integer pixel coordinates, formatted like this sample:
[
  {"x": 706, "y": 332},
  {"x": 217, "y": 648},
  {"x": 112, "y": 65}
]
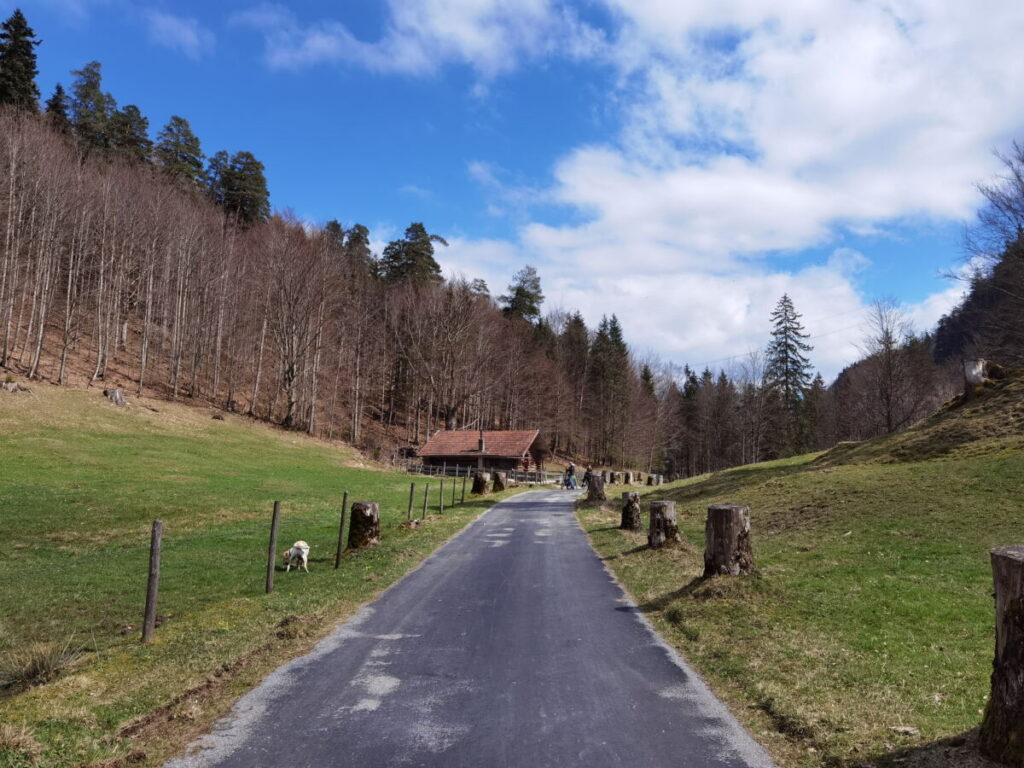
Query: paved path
[{"x": 511, "y": 646}]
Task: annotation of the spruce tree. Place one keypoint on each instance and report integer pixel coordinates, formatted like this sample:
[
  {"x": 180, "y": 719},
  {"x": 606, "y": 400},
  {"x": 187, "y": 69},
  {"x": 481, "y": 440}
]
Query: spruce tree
[
  {"x": 129, "y": 134},
  {"x": 524, "y": 295},
  {"x": 412, "y": 257},
  {"x": 57, "y": 107},
  {"x": 91, "y": 108},
  {"x": 18, "y": 63},
  {"x": 179, "y": 153},
  {"x": 788, "y": 374},
  {"x": 237, "y": 184},
  {"x": 357, "y": 249}
]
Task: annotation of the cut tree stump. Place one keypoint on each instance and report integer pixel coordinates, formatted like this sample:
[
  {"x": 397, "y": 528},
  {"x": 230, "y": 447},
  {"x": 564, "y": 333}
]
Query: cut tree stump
[
  {"x": 116, "y": 396},
  {"x": 627, "y": 478},
  {"x": 727, "y": 541},
  {"x": 650, "y": 479},
  {"x": 500, "y": 482},
  {"x": 364, "y": 528},
  {"x": 595, "y": 489},
  {"x": 663, "y": 529},
  {"x": 1002, "y": 728},
  {"x": 480, "y": 481},
  {"x": 631, "y": 517}
]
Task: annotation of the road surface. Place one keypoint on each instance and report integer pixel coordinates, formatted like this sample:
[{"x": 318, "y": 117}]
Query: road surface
[{"x": 511, "y": 646}]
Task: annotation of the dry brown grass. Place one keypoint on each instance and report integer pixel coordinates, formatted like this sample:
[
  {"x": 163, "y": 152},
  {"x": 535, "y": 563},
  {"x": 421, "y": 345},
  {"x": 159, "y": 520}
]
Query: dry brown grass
[
  {"x": 17, "y": 742},
  {"x": 38, "y": 663}
]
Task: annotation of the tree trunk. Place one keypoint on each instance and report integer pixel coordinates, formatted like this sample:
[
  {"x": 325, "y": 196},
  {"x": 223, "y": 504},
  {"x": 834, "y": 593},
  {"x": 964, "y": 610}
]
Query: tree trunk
[
  {"x": 595, "y": 489},
  {"x": 364, "y": 528},
  {"x": 650, "y": 479},
  {"x": 480, "y": 480},
  {"x": 627, "y": 478},
  {"x": 1002, "y": 729},
  {"x": 631, "y": 518},
  {"x": 500, "y": 481},
  {"x": 663, "y": 528},
  {"x": 727, "y": 534}
]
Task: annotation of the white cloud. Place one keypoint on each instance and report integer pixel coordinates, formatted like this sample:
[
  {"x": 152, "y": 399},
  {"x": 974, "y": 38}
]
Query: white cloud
[
  {"x": 491, "y": 36},
  {"x": 179, "y": 33}
]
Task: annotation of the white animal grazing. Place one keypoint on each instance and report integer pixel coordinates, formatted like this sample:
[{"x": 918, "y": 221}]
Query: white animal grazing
[{"x": 298, "y": 556}]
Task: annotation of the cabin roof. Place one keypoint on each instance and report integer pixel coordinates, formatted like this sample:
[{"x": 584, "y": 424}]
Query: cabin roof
[{"x": 508, "y": 443}]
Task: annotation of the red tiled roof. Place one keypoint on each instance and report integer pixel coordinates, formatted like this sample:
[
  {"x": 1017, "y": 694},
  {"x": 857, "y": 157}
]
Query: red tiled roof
[{"x": 460, "y": 442}]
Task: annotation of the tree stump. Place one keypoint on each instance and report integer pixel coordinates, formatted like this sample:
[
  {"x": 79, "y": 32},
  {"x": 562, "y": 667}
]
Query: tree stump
[
  {"x": 663, "y": 528},
  {"x": 364, "y": 528},
  {"x": 595, "y": 489},
  {"x": 638, "y": 478},
  {"x": 116, "y": 396},
  {"x": 627, "y": 478},
  {"x": 650, "y": 479},
  {"x": 605, "y": 476},
  {"x": 659, "y": 480},
  {"x": 727, "y": 541},
  {"x": 631, "y": 518},
  {"x": 1002, "y": 728},
  {"x": 500, "y": 481},
  {"x": 480, "y": 481}
]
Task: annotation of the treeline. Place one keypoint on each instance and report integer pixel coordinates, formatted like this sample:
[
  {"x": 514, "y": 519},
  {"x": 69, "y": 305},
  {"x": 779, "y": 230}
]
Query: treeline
[{"x": 130, "y": 260}]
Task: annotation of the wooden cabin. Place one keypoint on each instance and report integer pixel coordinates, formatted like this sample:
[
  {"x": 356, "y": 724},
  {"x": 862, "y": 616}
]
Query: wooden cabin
[{"x": 520, "y": 449}]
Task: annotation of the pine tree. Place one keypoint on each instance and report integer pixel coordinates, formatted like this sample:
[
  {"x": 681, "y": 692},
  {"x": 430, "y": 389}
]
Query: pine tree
[
  {"x": 57, "y": 107},
  {"x": 179, "y": 152},
  {"x": 238, "y": 184},
  {"x": 412, "y": 257},
  {"x": 524, "y": 297},
  {"x": 788, "y": 374},
  {"x": 91, "y": 108},
  {"x": 129, "y": 134},
  {"x": 357, "y": 249},
  {"x": 18, "y": 63}
]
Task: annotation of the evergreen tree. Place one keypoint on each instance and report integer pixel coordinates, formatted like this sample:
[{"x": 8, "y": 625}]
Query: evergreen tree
[
  {"x": 238, "y": 185},
  {"x": 479, "y": 288},
  {"x": 57, "y": 107},
  {"x": 647, "y": 381},
  {"x": 524, "y": 297},
  {"x": 357, "y": 249},
  {"x": 129, "y": 134},
  {"x": 412, "y": 257},
  {"x": 91, "y": 108},
  {"x": 608, "y": 384},
  {"x": 178, "y": 151},
  {"x": 788, "y": 374},
  {"x": 18, "y": 63}
]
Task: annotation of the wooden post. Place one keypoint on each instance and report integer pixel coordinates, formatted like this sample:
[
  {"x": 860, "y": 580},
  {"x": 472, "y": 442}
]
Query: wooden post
[
  {"x": 663, "y": 529},
  {"x": 272, "y": 549},
  {"x": 412, "y": 493},
  {"x": 440, "y": 497},
  {"x": 153, "y": 587},
  {"x": 631, "y": 517},
  {"x": 453, "y": 487},
  {"x": 341, "y": 532},
  {"x": 465, "y": 477},
  {"x": 426, "y": 490},
  {"x": 364, "y": 530},
  {"x": 727, "y": 549},
  {"x": 1002, "y": 728}
]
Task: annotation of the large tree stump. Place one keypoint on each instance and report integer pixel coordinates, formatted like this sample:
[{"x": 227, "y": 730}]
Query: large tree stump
[
  {"x": 480, "y": 481},
  {"x": 650, "y": 479},
  {"x": 595, "y": 489},
  {"x": 727, "y": 548},
  {"x": 605, "y": 476},
  {"x": 659, "y": 480},
  {"x": 663, "y": 528},
  {"x": 627, "y": 478},
  {"x": 500, "y": 481},
  {"x": 1002, "y": 729},
  {"x": 631, "y": 518},
  {"x": 116, "y": 396},
  {"x": 364, "y": 528}
]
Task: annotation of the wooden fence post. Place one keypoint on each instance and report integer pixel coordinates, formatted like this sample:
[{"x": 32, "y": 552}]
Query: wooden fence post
[
  {"x": 1002, "y": 728},
  {"x": 272, "y": 549},
  {"x": 465, "y": 477},
  {"x": 153, "y": 587},
  {"x": 426, "y": 492},
  {"x": 412, "y": 493},
  {"x": 440, "y": 497},
  {"x": 341, "y": 533},
  {"x": 453, "y": 490}
]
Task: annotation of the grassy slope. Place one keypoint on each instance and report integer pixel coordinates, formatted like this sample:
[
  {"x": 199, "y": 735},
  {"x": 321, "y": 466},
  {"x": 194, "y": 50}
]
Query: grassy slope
[
  {"x": 80, "y": 483},
  {"x": 873, "y": 606}
]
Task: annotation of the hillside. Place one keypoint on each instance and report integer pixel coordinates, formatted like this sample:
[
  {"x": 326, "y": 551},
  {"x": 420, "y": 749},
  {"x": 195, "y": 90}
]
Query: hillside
[
  {"x": 80, "y": 483},
  {"x": 866, "y": 637}
]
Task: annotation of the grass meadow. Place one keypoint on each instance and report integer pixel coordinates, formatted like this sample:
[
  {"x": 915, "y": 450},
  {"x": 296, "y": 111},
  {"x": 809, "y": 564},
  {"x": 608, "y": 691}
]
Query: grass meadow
[{"x": 81, "y": 483}]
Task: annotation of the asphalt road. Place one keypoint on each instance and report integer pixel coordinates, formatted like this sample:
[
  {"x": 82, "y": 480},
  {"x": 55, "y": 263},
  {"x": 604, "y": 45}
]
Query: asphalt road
[{"x": 510, "y": 646}]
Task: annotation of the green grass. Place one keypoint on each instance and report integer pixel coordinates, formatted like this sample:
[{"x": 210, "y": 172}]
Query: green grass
[
  {"x": 872, "y": 608},
  {"x": 81, "y": 482}
]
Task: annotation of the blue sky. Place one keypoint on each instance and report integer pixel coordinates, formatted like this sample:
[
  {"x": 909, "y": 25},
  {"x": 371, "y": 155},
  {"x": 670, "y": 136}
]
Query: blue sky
[{"x": 681, "y": 165}]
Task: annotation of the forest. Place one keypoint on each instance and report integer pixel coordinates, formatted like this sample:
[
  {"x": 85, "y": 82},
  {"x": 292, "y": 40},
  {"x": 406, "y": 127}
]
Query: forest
[{"x": 140, "y": 262}]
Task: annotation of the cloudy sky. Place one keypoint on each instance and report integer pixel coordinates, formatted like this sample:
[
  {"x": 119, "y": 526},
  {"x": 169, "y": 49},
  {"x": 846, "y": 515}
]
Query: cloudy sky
[{"x": 680, "y": 164}]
